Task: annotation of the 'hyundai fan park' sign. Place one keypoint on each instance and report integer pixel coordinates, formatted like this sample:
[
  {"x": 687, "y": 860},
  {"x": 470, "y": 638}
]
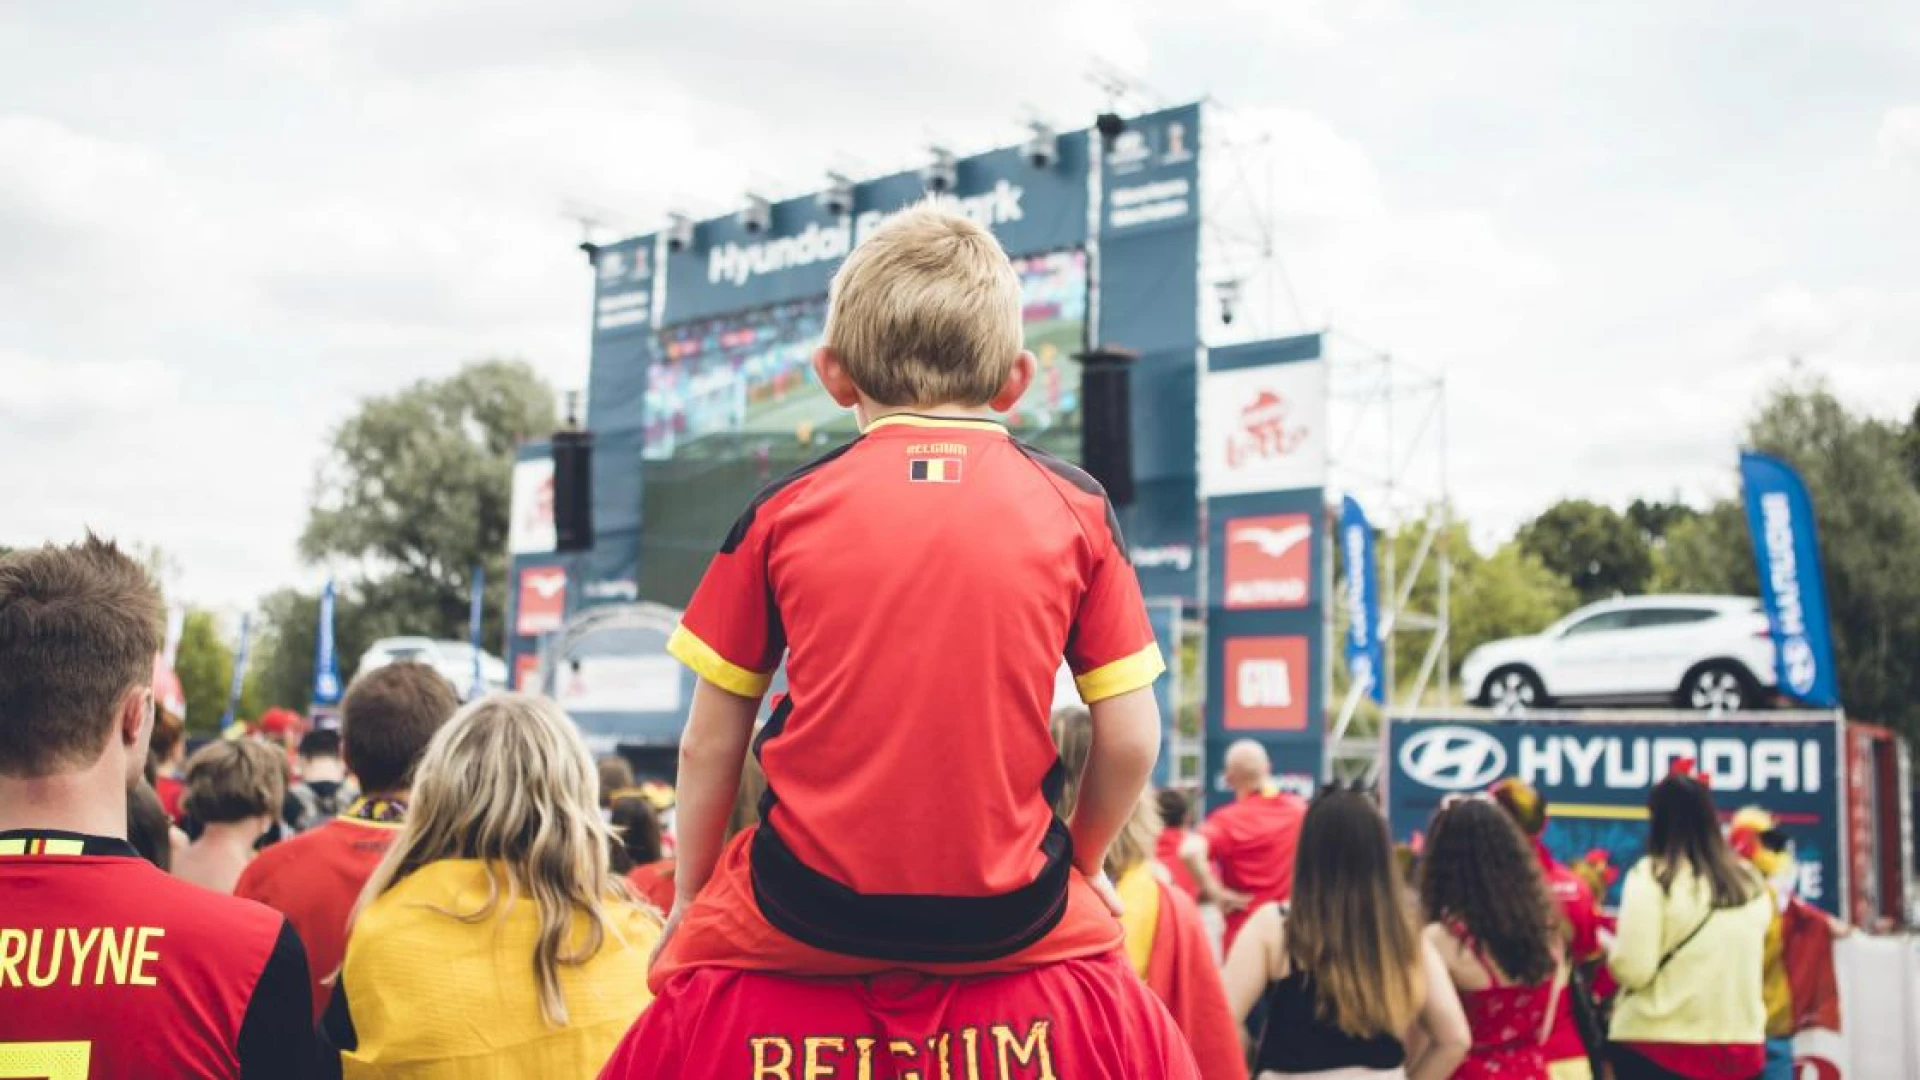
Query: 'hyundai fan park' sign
[
  {"x": 1269, "y": 561},
  {"x": 1264, "y": 429},
  {"x": 543, "y": 601},
  {"x": 1267, "y": 683}
]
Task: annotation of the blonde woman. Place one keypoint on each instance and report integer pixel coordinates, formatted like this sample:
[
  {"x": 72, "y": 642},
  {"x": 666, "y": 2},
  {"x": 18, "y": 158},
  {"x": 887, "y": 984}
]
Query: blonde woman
[
  {"x": 1166, "y": 943},
  {"x": 494, "y": 939}
]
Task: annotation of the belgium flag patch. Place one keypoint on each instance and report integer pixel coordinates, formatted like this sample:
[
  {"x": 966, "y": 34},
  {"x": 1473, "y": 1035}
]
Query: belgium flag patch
[{"x": 939, "y": 470}]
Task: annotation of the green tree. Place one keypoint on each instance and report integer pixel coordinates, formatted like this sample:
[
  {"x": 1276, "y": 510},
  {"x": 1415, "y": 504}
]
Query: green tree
[
  {"x": 1599, "y": 552},
  {"x": 205, "y": 666},
  {"x": 286, "y": 630},
  {"x": 1657, "y": 520},
  {"x": 1910, "y": 447},
  {"x": 1506, "y": 594},
  {"x": 1707, "y": 553},
  {"x": 1868, "y": 511},
  {"x": 416, "y": 489}
]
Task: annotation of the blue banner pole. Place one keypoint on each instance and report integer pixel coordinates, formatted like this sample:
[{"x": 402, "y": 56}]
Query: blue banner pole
[
  {"x": 1786, "y": 550},
  {"x": 239, "y": 672},
  {"x": 1365, "y": 653},
  {"x": 326, "y": 661},
  {"x": 479, "y": 592}
]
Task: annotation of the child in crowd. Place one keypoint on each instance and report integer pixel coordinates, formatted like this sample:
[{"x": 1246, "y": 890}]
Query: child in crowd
[{"x": 922, "y": 584}]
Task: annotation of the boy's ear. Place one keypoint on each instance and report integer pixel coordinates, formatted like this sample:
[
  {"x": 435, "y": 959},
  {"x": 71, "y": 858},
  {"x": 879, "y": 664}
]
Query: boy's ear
[
  {"x": 834, "y": 378},
  {"x": 1018, "y": 379}
]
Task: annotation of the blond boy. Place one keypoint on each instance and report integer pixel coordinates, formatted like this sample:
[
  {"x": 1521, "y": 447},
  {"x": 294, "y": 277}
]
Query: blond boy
[{"x": 922, "y": 583}]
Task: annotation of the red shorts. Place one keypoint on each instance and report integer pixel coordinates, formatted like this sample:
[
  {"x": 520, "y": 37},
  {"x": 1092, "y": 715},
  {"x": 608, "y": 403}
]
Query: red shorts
[
  {"x": 1089, "y": 1019},
  {"x": 724, "y": 928}
]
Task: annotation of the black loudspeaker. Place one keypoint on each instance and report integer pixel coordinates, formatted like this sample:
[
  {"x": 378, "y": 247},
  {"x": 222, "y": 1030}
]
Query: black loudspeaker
[
  {"x": 573, "y": 490},
  {"x": 1106, "y": 420}
]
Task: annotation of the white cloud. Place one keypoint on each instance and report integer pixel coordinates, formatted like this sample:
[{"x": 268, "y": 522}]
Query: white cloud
[
  {"x": 1610, "y": 265},
  {"x": 34, "y": 385},
  {"x": 1899, "y": 139}
]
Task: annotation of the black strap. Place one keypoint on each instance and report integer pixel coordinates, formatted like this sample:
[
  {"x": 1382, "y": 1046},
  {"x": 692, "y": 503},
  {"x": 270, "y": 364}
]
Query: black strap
[{"x": 1665, "y": 960}]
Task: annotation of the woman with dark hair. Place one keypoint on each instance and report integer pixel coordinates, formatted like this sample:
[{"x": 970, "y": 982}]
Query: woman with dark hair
[
  {"x": 1351, "y": 990},
  {"x": 1498, "y": 932},
  {"x": 1690, "y": 947},
  {"x": 638, "y": 856}
]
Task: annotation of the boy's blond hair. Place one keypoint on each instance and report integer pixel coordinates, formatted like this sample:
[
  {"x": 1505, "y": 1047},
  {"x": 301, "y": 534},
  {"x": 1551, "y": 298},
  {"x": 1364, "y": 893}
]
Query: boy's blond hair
[{"x": 926, "y": 311}]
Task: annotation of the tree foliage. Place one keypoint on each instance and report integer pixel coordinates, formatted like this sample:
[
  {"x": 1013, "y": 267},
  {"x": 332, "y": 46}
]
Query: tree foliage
[
  {"x": 286, "y": 632},
  {"x": 1597, "y": 550},
  {"x": 205, "y": 667},
  {"x": 1868, "y": 511},
  {"x": 415, "y": 489}
]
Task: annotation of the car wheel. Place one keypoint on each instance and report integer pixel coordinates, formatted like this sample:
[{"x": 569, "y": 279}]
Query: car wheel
[
  {"x": 1719, "y": 687},
  {"x": 1512, "y": 690}
]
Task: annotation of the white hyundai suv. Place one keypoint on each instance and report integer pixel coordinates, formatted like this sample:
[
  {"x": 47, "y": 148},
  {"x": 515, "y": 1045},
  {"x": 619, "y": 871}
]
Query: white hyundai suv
[{"x": 1701, "y": 652}]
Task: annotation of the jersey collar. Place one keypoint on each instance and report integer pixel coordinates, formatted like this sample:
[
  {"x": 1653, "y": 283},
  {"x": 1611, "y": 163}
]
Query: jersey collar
[
  {"x": 54, "y": 842},
  {"x": 926, "y": 420}
]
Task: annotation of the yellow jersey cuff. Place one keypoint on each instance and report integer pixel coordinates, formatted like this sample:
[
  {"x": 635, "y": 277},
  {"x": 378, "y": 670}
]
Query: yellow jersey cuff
[
  {"x": 716, "y": 669},
  {"x": 1124, "y": 675}
]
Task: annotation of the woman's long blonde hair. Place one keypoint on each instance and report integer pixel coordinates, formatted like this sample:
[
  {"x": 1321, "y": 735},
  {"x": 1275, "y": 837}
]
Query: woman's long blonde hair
[{"x": 508, "y": 782}]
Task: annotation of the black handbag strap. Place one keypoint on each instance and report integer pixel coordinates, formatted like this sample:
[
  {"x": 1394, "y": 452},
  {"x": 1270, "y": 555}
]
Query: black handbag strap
[{"x": 1665, "y": 960}]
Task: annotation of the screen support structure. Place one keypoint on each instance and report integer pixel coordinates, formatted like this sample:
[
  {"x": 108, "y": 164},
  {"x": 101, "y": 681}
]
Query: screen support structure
[{"x": 1390, "y": 452}]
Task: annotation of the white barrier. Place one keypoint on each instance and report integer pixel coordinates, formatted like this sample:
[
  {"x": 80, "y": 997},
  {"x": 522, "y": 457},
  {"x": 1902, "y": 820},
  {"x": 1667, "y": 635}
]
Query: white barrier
[{"x": 1879, "y": 1010}]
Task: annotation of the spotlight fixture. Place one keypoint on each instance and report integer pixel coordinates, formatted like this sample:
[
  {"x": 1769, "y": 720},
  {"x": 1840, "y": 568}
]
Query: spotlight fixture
[
  {"x": 941, "y": 173},
  {"x": 679, "y": 232},
  {"x": 1042, "y": 148},
  {"x": 757, "y": 215},
  {"x": 1109, "y": 125},
  {"x": 592, "y": 250},
  {"x": 1227, "y": 290},
  {"x": 837, "y": 199}
]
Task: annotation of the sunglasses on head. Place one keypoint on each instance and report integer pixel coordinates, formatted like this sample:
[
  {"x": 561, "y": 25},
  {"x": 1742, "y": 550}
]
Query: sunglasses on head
[{"x": 1459, "y": 797}]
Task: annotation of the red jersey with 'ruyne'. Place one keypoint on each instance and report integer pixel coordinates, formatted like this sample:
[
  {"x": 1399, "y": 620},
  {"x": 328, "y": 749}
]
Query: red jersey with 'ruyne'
[
  {"x": 923, "y": 583},
  {"x": 109, "y": 968},
  {"x": 1087, "y": 1019}
]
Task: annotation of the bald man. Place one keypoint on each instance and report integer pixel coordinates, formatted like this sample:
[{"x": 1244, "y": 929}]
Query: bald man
[{"x": 1242, "y": 856}]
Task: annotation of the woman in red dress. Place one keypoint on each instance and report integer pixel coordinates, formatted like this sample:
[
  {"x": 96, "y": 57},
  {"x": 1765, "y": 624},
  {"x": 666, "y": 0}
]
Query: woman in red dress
[{"x": 1496, "y": 926}]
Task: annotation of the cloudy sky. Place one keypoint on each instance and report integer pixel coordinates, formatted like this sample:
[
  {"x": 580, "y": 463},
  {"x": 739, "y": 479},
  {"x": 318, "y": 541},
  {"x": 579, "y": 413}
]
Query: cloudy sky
[{"x": 1609, "y": 225}]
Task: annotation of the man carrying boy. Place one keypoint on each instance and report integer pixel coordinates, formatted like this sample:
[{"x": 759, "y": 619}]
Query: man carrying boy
[{"x": 923, "y": 583}]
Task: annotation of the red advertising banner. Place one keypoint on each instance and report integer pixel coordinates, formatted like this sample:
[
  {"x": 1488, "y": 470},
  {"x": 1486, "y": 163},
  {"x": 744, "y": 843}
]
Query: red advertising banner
[{"x": 542, "y": 606}]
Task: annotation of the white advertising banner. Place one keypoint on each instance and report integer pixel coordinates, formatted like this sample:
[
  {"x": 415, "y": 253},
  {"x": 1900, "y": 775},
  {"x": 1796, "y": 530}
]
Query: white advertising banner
[
  {"x": 530, "y": 530},
  {"x": 641, "y": 684},
  {"x": 1264, "y": 429}
]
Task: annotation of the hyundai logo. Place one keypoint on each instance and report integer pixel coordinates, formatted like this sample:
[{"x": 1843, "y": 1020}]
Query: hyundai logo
[{"x": 1453, "y": 758}]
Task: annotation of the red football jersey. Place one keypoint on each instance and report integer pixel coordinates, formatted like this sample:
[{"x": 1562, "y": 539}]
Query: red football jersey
[
  {"x": 923, "y": 583},
  {"x": 314, "y": 879},
  {"x": 1087, "y": 1019},
  {"x": 1252, "y": 842},
  {"x": 111, "y": 968}
]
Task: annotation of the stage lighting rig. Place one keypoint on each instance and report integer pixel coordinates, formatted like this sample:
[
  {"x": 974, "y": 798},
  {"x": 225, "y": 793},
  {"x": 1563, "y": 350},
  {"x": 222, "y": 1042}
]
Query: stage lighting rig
[
  {"x": 941, "y": 173},
  {"x": 679, "y": 232},
  {"x": 837, "y": 199},
  {"x": 1042, "y": 148},
  {"x": 757, "y": 215}
]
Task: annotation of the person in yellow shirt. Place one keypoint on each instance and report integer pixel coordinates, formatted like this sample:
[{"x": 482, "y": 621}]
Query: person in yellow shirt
[{"x": 494, "y": 939}]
